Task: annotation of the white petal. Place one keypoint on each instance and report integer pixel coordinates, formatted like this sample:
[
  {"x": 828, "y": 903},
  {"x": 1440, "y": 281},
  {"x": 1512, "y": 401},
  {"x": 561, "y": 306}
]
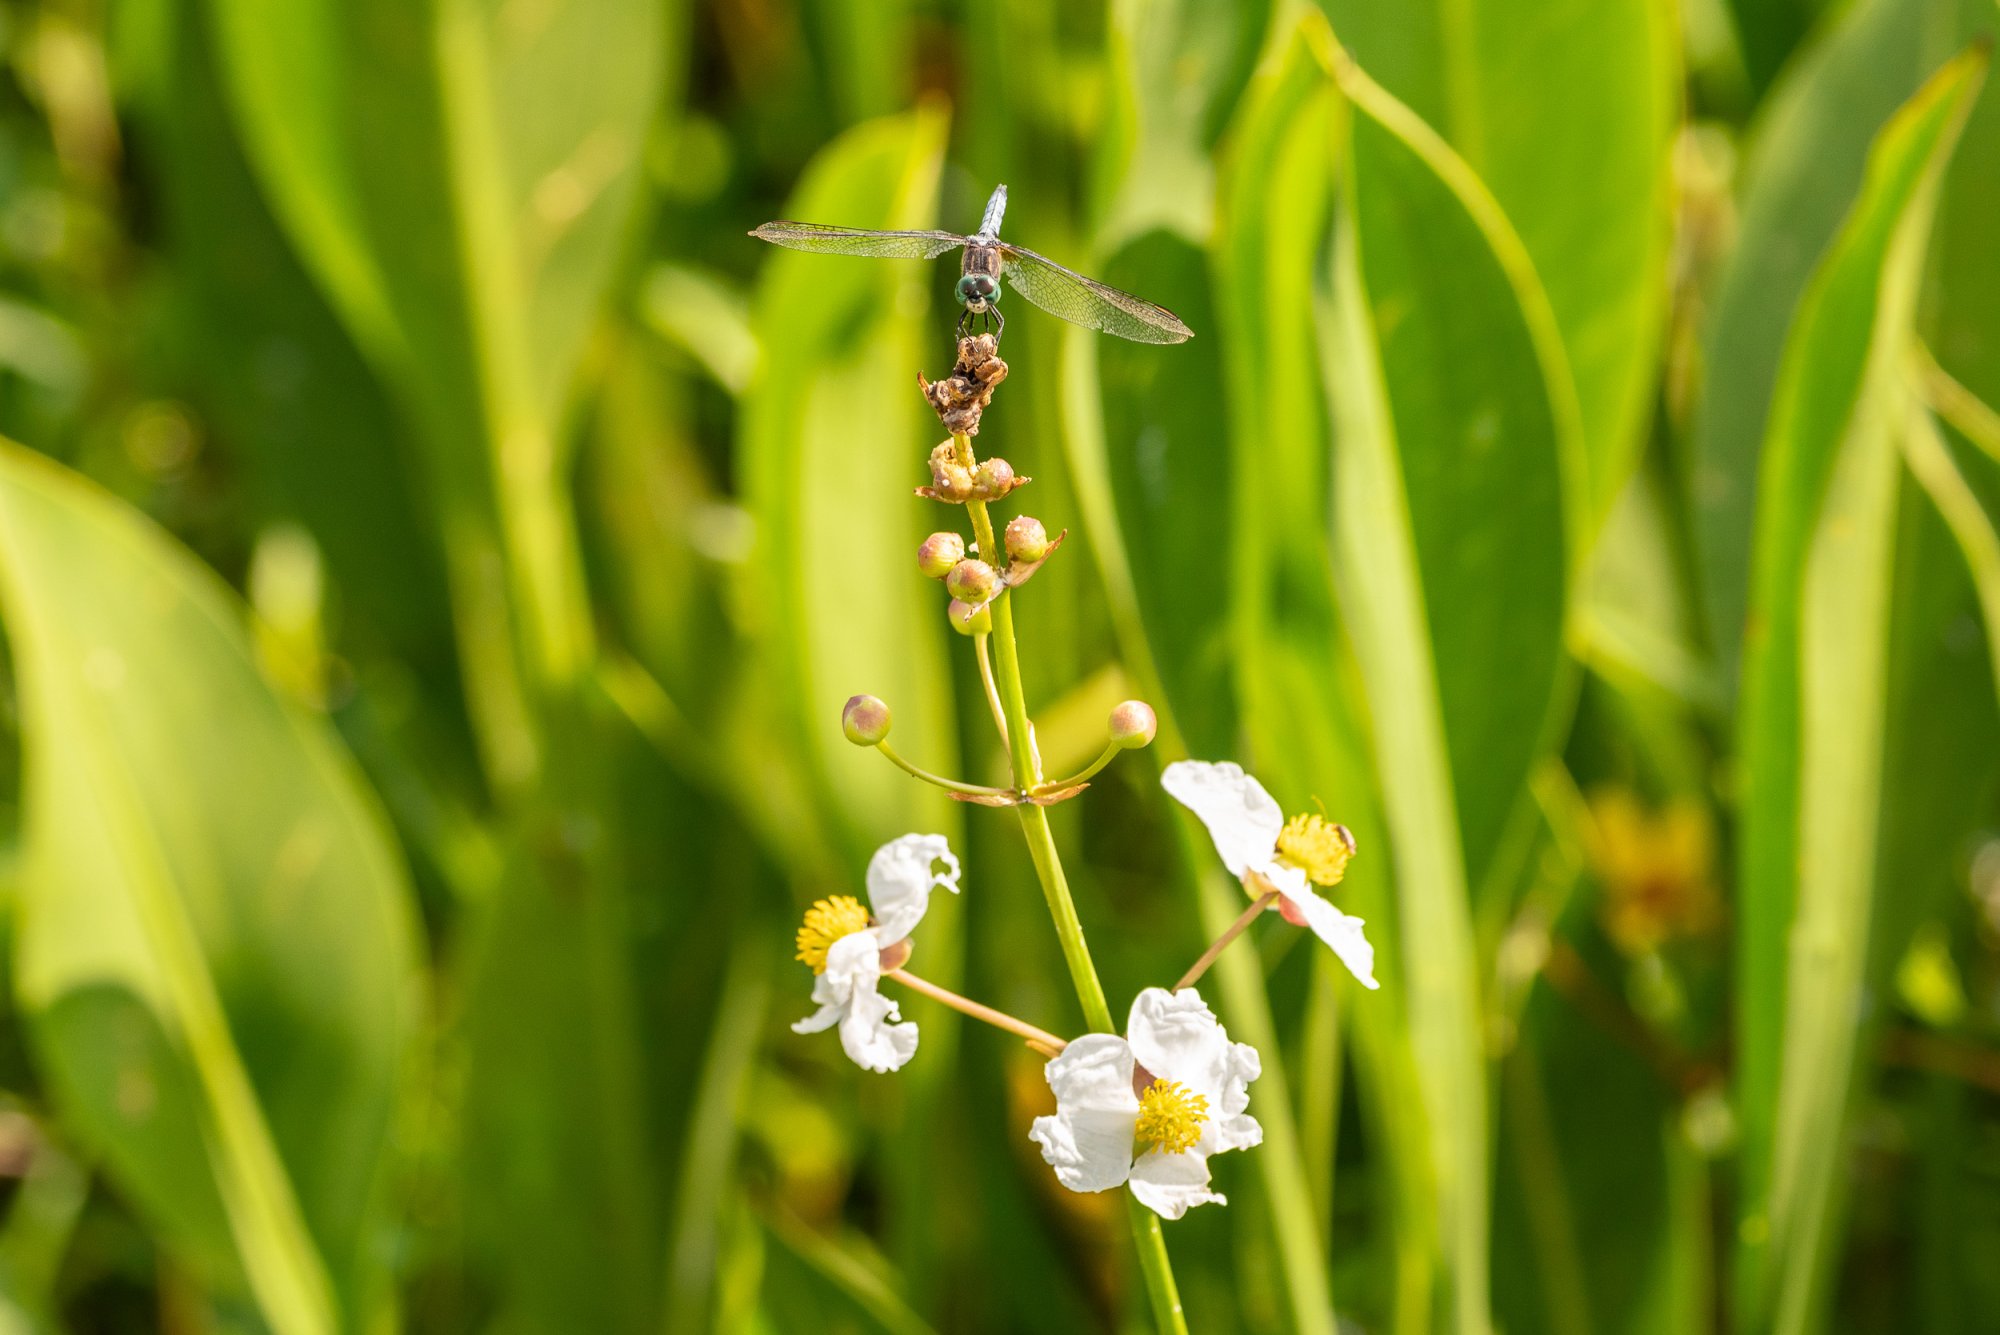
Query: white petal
[
  {"x": 1089, "y": 1140},
  {"x": 1090, "y": 1151},
  {"x": 848, "y": 995},
  {"x": 1172, "y": 1184},
  {"x": 1175, "y": 1036},
  {"x": 900, "y": 881},
  {"x": 1339, "y": 930},
  {"x": 870, "y": 1035},
  {"x": 1239, "y": 1131},
  {"x": 834, "y": 987},
  {"x": 1094, "y": 1072},
  {"x": 1242, "y": 819},
  {"x": 1283, "y": 877},
  {"x": 829, "y": 1012}
]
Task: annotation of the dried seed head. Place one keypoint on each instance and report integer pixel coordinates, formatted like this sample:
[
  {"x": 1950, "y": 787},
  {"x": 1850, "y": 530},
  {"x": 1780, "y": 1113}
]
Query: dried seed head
[
  {"x": 1133, "y": 724},
  {"x": 967, "y": 619},
  {"x": 939, "y": 553},
  {"x": 1027, "y": 540},
  {"x": 865, "y": 720},
  {"x": 972, "y": 581},
  {"x": 960, "y": 398}
]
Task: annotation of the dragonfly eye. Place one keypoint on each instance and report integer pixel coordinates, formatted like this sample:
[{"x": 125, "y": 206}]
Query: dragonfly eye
[{"x": 977, "y": 287}]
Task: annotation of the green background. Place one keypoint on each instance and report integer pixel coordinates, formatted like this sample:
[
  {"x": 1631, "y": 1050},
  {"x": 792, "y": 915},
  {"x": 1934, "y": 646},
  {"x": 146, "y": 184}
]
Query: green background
[{"x": 439, "y": 542}]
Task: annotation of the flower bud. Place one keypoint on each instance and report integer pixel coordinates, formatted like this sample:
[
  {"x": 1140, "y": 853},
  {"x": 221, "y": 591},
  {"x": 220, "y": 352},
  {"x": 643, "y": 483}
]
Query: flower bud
[
  {"x": 967, "y": 620},
  {"x": 1133, "y": 724},
  {"x": 993, "y": 480},
  {"x": 971, "y": 581},
  {"x": 865, "y": 720},
  {"x": 1027, "y": 540},
  {"x": 939, "y": 553}
]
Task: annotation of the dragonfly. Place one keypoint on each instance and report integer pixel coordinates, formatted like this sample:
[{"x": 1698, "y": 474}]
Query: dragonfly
[{"x": 1058, "y": 290}]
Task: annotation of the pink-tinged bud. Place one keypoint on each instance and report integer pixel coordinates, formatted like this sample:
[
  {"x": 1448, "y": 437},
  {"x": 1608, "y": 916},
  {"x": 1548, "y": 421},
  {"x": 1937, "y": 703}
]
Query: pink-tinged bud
[
  {"x": 939, "y": 553},
  {"x": 895, "y": 957},
  {"x": 971, "y": 581},
  {"x": 1133, "y": 724},
  {"x": 1027, "y": 540},
  {"x": 966, "y": 621},
  {"x": 993, "y": 480},
  {"x": 865, "y": 720}
]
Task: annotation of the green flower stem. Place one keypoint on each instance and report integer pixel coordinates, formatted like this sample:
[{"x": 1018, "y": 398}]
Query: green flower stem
[
  {"x": 986, "y": 677},
  {"x": 1146, "y": 1233},
  {"x": 1035, "y": 825},
  {"x": 1111, "y": 750},
  {"x": 952, "y": 785},
  {"x": 1151, "y": 1240}
]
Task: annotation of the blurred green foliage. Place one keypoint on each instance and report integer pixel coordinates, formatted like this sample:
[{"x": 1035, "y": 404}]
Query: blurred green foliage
[{"x": 439, "y": 542}]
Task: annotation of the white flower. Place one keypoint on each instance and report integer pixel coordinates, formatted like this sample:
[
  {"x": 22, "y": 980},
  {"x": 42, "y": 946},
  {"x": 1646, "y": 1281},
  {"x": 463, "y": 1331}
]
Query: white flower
[
  {"x": 844, "y": 946},
  {"x": 1172, "y": 1092},
  {"x": 1268, "y": 853}
]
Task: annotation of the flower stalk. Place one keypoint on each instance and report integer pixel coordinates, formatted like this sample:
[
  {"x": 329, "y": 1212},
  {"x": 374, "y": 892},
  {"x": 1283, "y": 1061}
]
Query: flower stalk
[
  {"x": 949, "y": 785},
  {"x": 1146, "y": 1232},
  {"x": 984, "y": 650},
  {"x": 1041, "y": 1040},
  {"x": 1084, "y": 775},
  {"x": 1230, "y": 933}
]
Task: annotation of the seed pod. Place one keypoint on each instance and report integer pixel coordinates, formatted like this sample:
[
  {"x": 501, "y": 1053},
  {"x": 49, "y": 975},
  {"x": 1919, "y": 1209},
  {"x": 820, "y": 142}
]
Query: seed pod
[
  {"x": 1133, "y": 724},
  {"x": 950, "y": 479},
  {"x": 972, "y": 581},
  {"x": 939, "y": 553},
  {"x": 864, "y": 720},
  {"x": 993, "y": 480},
  {"x": 1027, "y": 540},
  {"x": 968, "y": 620}
]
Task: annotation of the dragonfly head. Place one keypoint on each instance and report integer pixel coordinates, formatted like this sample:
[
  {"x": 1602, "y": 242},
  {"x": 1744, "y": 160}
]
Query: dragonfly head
[{"x": 976, "y": 290}]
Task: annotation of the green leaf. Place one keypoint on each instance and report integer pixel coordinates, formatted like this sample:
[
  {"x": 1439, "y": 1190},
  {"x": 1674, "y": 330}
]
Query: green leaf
[
  {"x": 1815, "y": 688},
  {"x": 1567, "y": 110},
  {"x": 1446, "y": 384},
  {"x": 1802, "y": 168},
  {"x": 216, "y": 945},
  {"x": 1176, "y": 69},
  {"x": 1297, "y": 691},
  {"x": 459, "y": 175}
]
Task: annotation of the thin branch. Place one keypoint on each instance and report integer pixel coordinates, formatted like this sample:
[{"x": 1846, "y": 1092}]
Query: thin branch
[
  {"x": 1230, "y": 933},
  {"x": 1039, "y": 1039},
  {"x": 951, "y": 785}
]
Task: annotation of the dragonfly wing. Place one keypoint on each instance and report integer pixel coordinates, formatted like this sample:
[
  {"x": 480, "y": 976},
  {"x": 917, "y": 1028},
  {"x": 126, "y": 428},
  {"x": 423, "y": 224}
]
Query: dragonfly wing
[
  {"x": 858, "y": 241},
  {"x": 1087, "y": 302}
]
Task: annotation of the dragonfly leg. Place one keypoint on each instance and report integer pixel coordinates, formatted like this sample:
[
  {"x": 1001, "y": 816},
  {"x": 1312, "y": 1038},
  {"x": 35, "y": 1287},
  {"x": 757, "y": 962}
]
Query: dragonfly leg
[{"x": 987, "y": 321}]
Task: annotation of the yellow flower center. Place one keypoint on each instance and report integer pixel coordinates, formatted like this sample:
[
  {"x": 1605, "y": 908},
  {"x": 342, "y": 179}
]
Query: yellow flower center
[
  {"x": 1171, "y": 1117},
  {"x": 1317, "y": 847},
  {"x": 826, "y": 922}
]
